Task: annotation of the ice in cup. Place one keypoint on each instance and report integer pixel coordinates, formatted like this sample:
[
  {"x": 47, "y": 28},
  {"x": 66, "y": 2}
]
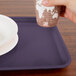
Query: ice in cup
[{"x": 46, "y": 16}]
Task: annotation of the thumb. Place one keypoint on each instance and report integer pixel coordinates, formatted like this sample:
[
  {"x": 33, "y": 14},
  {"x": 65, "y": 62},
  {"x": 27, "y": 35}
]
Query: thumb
[{"x": 54, "y": 2}]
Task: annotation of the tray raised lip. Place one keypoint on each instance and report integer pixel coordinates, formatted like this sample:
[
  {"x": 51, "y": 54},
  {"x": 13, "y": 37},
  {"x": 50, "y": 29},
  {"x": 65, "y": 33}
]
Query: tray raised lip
[{"x": 34, "y": 68}]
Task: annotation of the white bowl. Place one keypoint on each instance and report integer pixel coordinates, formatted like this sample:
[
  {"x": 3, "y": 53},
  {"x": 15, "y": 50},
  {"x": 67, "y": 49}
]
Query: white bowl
[
  {"x": 8, "y": 29},
  {"x": 8, "y": 46}
]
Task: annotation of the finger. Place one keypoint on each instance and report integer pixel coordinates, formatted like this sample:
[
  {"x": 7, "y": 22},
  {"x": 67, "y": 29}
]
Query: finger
[
  {"x": 68, "y": 14},
  {"x": 65, "y": 15},
  {"x": 54, "y": 2}
]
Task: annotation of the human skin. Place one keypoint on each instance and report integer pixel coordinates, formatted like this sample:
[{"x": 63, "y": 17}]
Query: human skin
[{"x": 70, "y": 11}]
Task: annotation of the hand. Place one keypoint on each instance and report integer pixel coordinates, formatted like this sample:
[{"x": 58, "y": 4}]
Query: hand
[{"x": 70, "y": 12}]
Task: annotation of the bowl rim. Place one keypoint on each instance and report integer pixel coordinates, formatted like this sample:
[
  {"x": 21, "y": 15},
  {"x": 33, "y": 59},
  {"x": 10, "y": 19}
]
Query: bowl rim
[{"x": 13, "y": 28}]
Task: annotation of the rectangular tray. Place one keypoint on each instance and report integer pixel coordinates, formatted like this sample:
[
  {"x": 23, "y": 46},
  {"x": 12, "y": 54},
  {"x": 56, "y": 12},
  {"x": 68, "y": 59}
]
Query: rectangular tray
[{"x": 38, "y": 48}]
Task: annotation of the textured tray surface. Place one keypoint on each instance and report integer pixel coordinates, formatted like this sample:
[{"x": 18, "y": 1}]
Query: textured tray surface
[{"x": 38, "y": 48}]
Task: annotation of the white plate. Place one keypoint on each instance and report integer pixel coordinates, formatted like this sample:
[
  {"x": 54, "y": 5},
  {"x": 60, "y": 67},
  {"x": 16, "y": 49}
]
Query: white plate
[
  {"x": 9, "y": 46},
  {"x": 8, "y": 29}
]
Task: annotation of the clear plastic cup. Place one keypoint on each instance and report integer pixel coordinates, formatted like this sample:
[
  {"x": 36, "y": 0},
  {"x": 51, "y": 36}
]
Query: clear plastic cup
[{"x": 46, "y": 16}]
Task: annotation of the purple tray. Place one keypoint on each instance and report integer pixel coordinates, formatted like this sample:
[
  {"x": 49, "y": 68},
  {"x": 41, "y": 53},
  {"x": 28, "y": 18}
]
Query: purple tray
[{"x": 38, "y": 48}]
